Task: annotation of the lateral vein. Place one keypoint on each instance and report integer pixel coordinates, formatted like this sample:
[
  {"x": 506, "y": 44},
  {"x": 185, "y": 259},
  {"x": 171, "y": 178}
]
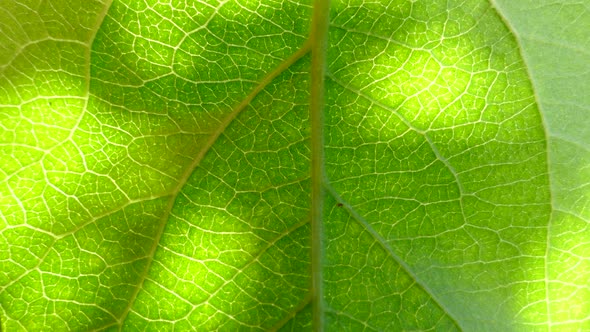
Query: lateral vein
[
  {"x": 383, "y": 243},
  {"x": 199, "y": 157}
]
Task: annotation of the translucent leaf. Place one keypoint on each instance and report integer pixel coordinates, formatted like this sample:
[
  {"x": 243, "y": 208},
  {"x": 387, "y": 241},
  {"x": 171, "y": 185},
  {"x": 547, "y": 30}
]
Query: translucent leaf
[{"x": 156, "y": 166}]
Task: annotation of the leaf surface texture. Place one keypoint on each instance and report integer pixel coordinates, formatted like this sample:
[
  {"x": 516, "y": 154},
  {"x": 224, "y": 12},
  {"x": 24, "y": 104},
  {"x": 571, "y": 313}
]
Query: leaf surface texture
[{"x": 155, "y": 166}]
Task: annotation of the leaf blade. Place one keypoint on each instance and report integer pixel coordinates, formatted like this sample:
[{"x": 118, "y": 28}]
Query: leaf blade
[
  {"x": 555, "y": 54},
  {"x": 439, "y": 214}
]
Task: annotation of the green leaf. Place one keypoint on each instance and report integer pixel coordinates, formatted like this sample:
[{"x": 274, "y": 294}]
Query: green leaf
[{"x": 183, "y": 165}]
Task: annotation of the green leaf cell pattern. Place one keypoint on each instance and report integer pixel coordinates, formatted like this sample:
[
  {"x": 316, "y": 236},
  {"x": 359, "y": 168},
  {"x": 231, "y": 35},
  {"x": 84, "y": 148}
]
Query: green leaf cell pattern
[{"x": 156, "y": 166}]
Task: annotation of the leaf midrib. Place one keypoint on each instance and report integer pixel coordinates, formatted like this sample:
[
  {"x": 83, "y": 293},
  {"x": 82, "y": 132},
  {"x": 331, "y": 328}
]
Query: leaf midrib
[
  {"x": 319, "y": 39},
  {"x": 317, "y": 44}
]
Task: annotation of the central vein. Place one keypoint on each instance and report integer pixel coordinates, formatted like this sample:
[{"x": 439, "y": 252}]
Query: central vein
[{"x": 319, "y": 36}]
